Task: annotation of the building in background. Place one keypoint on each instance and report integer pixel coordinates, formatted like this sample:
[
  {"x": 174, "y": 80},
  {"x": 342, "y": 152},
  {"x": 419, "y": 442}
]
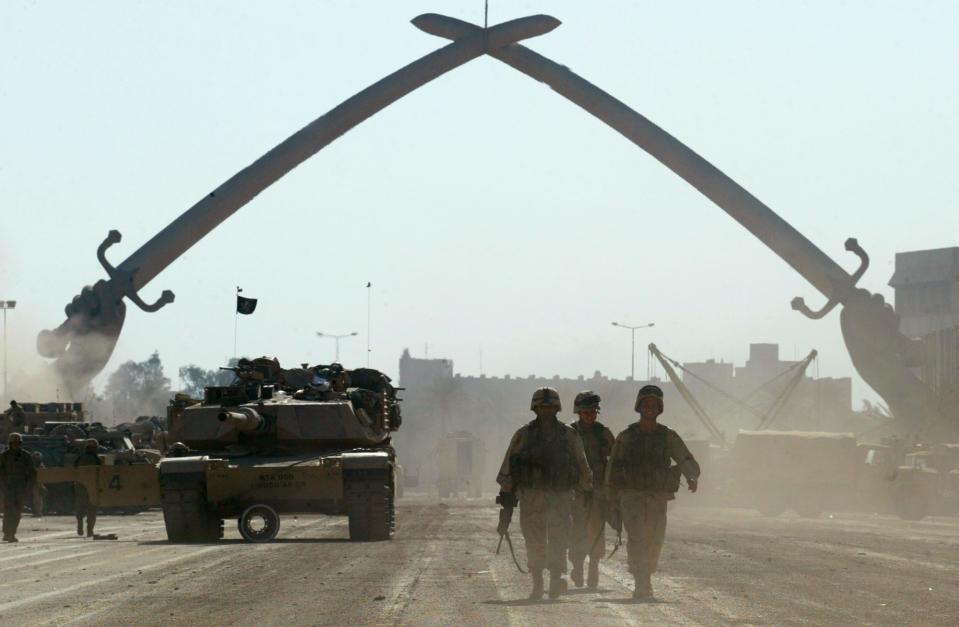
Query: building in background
[
  {"x": 437, "y": 402},
  {"x": 927, "y": 301},
  {"x": 744, "y": 396}
]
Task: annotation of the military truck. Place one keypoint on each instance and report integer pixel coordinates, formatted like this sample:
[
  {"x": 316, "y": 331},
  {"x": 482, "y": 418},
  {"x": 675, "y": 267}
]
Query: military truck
[
  {"x": 812, "y": 472},
  {"x": 277, "y": 441},
  {"x": 460, "y": 465},
  {"x": 809, "y": 472}
]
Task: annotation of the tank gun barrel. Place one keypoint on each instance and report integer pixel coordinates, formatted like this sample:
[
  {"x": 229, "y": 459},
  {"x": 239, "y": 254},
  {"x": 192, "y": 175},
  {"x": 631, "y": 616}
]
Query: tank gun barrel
[{"x": 243, "y": 419}]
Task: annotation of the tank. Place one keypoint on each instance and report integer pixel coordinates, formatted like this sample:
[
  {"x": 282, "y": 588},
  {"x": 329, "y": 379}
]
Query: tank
[{"x": 281, "y": 441}]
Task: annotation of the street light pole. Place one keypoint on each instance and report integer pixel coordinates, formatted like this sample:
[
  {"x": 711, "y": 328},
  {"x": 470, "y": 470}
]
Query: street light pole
[
  {"x": 632, "y": 332},
  {"x": 336, "y": 339},
  {"x": 5, "y": 305}
]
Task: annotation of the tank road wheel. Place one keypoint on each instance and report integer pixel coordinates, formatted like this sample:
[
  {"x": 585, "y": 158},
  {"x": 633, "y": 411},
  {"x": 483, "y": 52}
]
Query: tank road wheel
[
  {"x": 259, "y": 523},
  {"x": 185, "y": 513},
  {"x": 369, "y": 505}
]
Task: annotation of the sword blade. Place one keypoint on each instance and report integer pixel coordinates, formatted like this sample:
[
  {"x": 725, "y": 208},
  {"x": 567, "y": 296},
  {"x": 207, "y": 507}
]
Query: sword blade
[
  {"x": 80, "y": 356},
  {"x": 788, "y": 243},
  {"x": 161, "y": 250}
]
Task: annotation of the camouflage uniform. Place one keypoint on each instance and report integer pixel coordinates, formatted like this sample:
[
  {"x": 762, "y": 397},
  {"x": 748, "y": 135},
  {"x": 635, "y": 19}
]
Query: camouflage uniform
[
  {"x": 588, "y": 524},
  {"x": 15, "y": 420},
  {"x": 16, "y": 475},
  {"x": 544, "y": 462},
  {"x": 641, "y": 480},
  {"x": 82, "y": 506}
]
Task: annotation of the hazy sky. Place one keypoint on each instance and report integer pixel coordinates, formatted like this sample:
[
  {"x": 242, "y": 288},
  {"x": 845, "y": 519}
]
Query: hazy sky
[{"x": 491, "y": 215}]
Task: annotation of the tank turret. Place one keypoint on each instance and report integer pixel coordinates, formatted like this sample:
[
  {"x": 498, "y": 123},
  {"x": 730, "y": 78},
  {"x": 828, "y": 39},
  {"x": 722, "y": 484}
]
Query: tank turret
[
  {"x": 244, "y": 419},
  {"x": 271, "y": 411}
]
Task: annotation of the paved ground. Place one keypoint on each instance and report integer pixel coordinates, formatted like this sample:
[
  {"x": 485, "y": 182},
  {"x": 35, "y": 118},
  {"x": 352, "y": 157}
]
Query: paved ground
[{"x": 719, "y": 567}]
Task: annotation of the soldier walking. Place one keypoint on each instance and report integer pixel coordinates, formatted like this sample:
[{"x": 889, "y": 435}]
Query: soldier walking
[
  {"x": 82, "y": 505},
  {"x": 641, "y": 480},
  {"x": 544, "y": 462},
  {"x": 590, "y": 510},
  {"x": 16, "y": 475}
]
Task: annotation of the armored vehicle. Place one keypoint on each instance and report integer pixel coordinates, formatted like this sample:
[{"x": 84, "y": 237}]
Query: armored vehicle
[
  {"x": 116, "y": 446},
  {"x": 126, "y": 483},
  {"x": 806, "y": 471},
  {"x": 813, "y": 472},
  {"x": 276, "y": 441},
  {"x": 143, "y": 431},
  {"x": 37, "y": 414}
]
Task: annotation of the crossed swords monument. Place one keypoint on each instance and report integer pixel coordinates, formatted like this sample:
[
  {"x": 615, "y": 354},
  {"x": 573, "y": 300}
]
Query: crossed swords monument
[{"x": 82, "y": 344}]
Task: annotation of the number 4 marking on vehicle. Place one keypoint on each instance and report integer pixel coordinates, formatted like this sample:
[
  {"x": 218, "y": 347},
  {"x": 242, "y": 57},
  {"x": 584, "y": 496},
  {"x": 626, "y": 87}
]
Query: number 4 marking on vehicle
[{"x": 115, "y": 482}]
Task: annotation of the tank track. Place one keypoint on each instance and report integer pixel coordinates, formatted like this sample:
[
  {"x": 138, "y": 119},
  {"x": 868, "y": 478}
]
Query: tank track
[
  {"x": 185, "y": 511},
  {"x": 369, "y": 497}
]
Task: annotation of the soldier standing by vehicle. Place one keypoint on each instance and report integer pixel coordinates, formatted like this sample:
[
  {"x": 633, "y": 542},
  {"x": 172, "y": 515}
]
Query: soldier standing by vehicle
[
  {"x": 543, "y": 464},
  {"x": 641, "y": 480},
  {"x": 15, "y": 419},
  {"x": 16, "y": 475},
  {"x": 590, "y": 510},
  {"x": 82, "y": 506}
]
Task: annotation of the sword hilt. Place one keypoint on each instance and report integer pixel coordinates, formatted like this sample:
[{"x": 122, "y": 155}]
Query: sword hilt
[
  {"x": 840, "y": 291},
  {"x": 123, "y": 280}
]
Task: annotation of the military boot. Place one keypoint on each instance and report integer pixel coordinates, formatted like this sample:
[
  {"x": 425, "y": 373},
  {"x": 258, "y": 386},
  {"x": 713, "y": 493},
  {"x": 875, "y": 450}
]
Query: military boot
[
  {"x": 577, "y": 574},
  {"x": 643, "y": 588},
  {"x": 89, "y": 530},
  {"x": 592, "y": 579},
  {"x": 537, "y": 592},
  {"x": 557, "y": 585},
  {"x": 79, "y": 526}
]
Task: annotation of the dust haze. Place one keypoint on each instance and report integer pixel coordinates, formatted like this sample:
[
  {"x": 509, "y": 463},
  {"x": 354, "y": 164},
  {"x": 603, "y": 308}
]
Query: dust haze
[{"x": 748, "y": 209}]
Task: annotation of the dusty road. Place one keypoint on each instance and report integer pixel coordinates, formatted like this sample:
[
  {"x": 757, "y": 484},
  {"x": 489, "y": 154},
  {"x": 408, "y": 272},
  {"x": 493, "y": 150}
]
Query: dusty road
[{"x": 719, "y": 567}]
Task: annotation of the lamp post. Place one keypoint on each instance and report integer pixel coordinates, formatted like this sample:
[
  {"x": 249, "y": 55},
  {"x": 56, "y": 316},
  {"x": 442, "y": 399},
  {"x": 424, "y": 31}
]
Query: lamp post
[
  {"x": 336, "y": 338},
  {"x": 5, "y": 305},
  {"x": 632, "y": 332}
]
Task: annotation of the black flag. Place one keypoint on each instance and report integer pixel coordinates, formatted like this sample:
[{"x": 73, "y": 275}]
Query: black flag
[{"x": 245, "y": 306}]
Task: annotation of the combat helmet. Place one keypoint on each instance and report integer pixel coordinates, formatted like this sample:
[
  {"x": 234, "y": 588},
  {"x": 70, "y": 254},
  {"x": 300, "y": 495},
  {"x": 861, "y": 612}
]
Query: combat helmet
[
  {"x": 178, "y": 449},
  {"x": 545, "y": 397},
  {"x": 650, "y": 391},
  {"x": 586, "y": 401},
  {"x": 91, "y": 444}
]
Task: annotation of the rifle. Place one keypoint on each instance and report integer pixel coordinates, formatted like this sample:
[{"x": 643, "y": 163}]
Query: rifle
[
  {"x": 507, "y": 501},
  {"x": 615, "y": 520}
]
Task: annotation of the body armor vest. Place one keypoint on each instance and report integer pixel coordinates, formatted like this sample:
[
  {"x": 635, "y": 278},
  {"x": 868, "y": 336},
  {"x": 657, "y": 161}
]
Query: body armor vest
[
  {"x": 645, "y": 464},
  {"x": 545, "y": 461},
  {"x": 596, "y": 446}
]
